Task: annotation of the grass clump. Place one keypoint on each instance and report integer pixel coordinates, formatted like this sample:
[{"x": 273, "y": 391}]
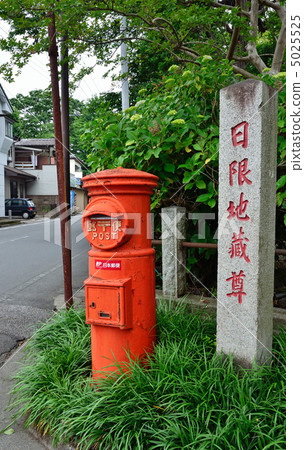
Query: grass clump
[{"x": 188, "y": 398}]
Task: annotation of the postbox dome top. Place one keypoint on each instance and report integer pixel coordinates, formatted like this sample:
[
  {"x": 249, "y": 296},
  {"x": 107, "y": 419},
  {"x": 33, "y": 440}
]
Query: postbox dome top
[
  {"x": 120, "y": 172},
  {"x": 119, "y": 181}
]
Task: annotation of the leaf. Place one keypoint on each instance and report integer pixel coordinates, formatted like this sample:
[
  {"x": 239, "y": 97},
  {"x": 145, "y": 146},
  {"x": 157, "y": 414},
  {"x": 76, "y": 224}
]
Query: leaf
[
  {"x": 207, "y": 160},
  {"x": 187, "y": 165},
  {"x": 204, "y": 197},
  {"x": 212, "y": 203},
  {"x": 128, "y": 143},
  {"x": 187, "y": 177},
  {"x": 210, "y": 187},
  {"x": 131, "y": 135},
  {"x": 148, "y": 154},
  {"x": 189, "y": 186},
  {"x": 157, "y": 152},
  {"x": 9, "y": 431},
  {"x": 200, "y": 184},
  {"x": 169, "y": 167},
  {"x": 281, "y": 182},
  {"x": 198, "y": 147},
  {"x": 188, "y": 150}
]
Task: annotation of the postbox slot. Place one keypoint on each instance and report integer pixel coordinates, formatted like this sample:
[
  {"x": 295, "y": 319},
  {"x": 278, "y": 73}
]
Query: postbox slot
[
  {"x": 109, "y": 302},
  {"x": 106, "y": 216},
  {"x": 105, "y": 315}
]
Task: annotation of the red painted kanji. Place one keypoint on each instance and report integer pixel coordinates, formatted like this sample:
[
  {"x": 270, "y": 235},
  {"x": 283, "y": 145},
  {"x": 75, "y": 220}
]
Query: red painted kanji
[
  {"x": 237, "y": 285},
  {"x": 238, "y": 246},
  {"x": 241, "y": 169},
  {"x": 240, "y": 134},
  {"x": 239, "y": 210}
]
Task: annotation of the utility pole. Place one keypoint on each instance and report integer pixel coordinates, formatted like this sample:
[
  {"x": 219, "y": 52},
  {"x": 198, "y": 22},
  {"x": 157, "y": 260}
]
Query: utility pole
[
  {"x": 65, "y": 121},
  {"x": 53, "y": 56},
  {"x": 124, "y": 68}
]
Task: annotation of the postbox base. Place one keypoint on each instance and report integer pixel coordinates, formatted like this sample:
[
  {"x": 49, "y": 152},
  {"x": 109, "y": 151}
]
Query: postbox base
[
  {"x": 121, "y": 310},
  {"x": 112, "y": 346}
]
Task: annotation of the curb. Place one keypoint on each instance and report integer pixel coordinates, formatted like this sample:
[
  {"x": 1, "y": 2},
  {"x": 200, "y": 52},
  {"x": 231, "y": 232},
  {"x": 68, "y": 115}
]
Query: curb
[{"x": 46, "y": 441}]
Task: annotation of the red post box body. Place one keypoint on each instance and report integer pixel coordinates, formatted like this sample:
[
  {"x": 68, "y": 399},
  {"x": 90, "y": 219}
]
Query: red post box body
[{"x": 120, "y": 290}]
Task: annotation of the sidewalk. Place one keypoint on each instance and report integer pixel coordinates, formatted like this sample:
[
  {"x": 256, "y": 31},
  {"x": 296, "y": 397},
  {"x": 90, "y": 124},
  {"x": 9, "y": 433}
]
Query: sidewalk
[
  {"x": 22, "y": 439},
  {"x": 7, "y": 222}
]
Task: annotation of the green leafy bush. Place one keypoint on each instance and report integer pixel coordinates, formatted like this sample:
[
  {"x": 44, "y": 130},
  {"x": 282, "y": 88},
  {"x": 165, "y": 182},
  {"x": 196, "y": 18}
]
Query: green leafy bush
[{"x": 173, "y": 132}]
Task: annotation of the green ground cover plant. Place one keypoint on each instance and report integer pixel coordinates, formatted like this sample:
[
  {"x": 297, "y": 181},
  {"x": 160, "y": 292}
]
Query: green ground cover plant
[{"x": 189, "y": 397}]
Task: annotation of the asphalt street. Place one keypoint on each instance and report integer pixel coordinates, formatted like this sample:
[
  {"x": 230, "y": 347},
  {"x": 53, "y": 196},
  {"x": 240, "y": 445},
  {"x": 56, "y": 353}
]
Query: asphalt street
[{"x": 31, "y": 275}]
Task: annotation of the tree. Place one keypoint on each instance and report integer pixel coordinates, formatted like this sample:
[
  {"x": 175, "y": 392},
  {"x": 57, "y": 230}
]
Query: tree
[
  {"x": 33, "y": 115},
  {"x": 182, "y": 29},
  {"x": 34, "y": 118}
]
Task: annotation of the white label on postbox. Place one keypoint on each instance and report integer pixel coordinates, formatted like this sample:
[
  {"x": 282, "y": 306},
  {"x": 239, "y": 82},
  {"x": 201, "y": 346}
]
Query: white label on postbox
[{"x": 107, "y": 264}]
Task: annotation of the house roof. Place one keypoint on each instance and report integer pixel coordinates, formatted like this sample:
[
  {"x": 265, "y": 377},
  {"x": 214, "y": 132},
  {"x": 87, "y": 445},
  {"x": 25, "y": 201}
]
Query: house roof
[
  {"x": 5, "y": 104},
  {"x": 12, "y": 172},
  {"x": 42, "y": 144},
  {"x": 72, "y": 156},
  {"x": 39, "y": 143}
]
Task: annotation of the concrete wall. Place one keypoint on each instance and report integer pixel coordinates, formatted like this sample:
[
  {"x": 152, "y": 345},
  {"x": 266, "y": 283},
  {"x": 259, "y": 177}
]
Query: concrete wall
[
  {"x": 44, "y": 203},
  {"x": 73, "y": 170},
  {"x": 5, "y": 142},
  {"x": 45, "y": 184},
  {"x": 3, "y": 159}
]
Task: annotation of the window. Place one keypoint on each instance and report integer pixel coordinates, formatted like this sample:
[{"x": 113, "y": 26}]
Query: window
[
  {"x": 17, "y": 202},
  {"x": 8, "y": 128},
  {"x": 14, "y": 189},
  {"x": 21, "y": 190}
]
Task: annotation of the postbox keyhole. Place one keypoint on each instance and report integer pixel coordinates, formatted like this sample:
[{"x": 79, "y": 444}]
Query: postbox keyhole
[
  {"x": 104, "y": 315},
  {"x": 93, "y": 305}
]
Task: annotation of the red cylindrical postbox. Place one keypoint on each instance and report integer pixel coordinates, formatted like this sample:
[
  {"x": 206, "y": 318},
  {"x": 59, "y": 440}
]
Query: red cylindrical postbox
[{"x": 120, "y": 290}]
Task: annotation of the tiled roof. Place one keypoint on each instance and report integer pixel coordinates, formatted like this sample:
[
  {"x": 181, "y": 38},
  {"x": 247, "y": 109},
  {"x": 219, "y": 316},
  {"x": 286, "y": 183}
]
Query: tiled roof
[
  {"x": 35, "y": 143},
  {"x": 11, "y": 171}
]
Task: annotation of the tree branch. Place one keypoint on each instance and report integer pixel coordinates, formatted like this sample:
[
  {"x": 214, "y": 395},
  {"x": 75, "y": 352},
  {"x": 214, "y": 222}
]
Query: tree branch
[
  {"x": 244, "y": 73},
  {"x": 220, "y": 5},
  {"x": 241, "y": 58},
  {"x": 170, "y": 25},
  {"x": 254, "y": 57},
  {"x": 233, "y": 43},
  {"x": 280, "y": 46},
  {"x": 274, "y": 5},
  {"x": 188, "y": 51}
]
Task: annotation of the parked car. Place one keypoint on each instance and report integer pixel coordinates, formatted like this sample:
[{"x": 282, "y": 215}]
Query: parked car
[{"x": 20, "y": 207}]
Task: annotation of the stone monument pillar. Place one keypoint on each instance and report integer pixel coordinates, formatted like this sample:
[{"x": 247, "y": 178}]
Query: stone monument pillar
[
  {"x": 173, "y": 253},
  {"x": 246, "y": 251}
]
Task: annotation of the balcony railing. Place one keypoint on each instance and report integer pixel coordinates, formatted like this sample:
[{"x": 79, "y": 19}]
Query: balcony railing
[{"x": 24, "y": 165}]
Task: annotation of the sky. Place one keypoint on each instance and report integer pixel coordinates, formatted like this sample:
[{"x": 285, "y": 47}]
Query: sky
[{"x": 35, "y": 75}]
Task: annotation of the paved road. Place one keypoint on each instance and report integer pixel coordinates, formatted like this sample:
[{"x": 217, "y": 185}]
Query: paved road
[{"x": 31, "y": 275}]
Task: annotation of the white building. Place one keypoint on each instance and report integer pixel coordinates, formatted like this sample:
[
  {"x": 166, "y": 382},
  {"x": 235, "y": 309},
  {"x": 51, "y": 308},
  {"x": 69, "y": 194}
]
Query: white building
[
  {"x": 37, "y": 159},
  {"x": 6, "y": 140}
]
